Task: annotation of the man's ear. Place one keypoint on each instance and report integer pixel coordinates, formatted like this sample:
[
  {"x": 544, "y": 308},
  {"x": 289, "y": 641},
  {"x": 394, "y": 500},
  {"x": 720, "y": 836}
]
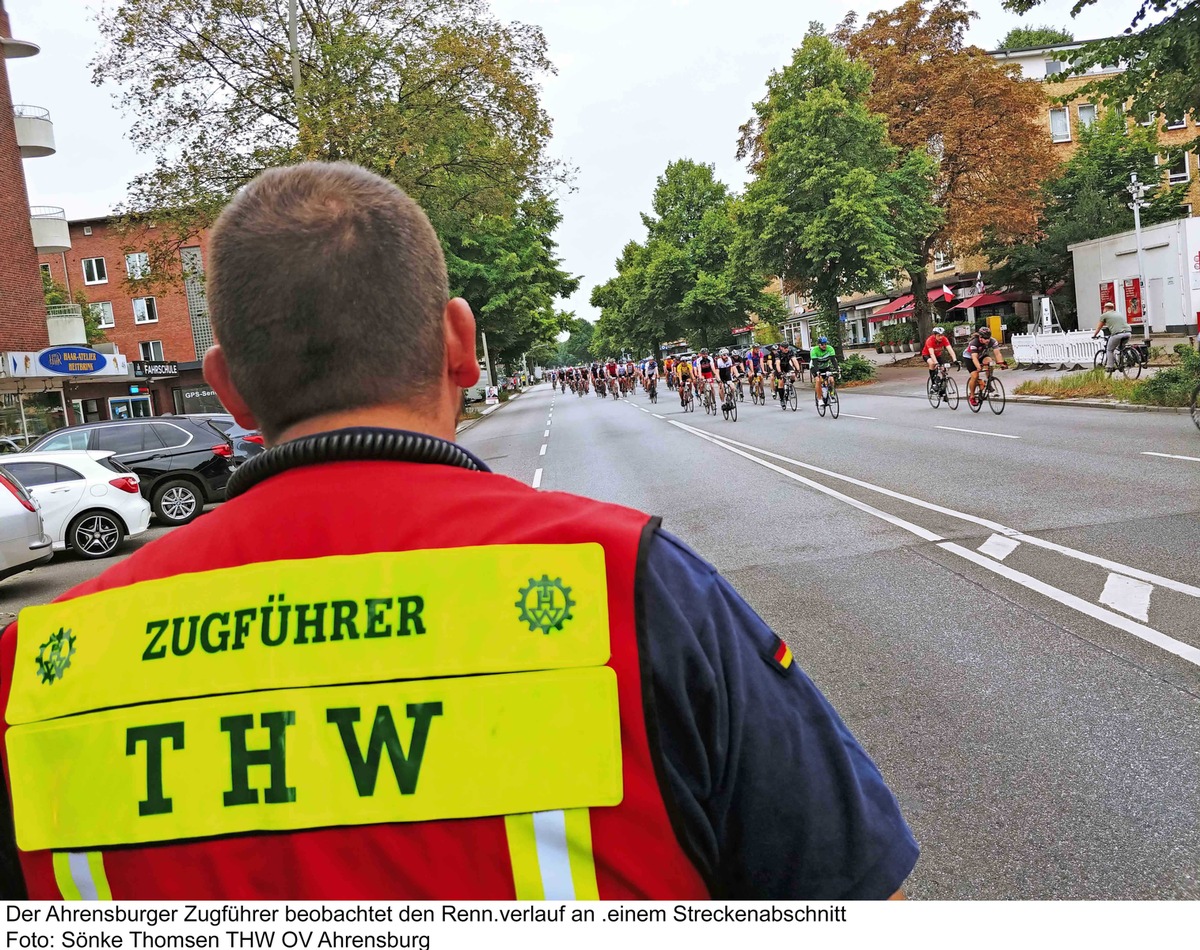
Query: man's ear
[
  {"x": 216, "y": 372},
  {"x": 462, "y": 364}
]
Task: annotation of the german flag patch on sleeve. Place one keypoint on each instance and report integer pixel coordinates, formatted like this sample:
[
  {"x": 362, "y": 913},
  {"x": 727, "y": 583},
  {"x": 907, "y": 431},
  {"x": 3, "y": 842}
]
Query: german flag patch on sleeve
[{"x": 781, "y": 655}]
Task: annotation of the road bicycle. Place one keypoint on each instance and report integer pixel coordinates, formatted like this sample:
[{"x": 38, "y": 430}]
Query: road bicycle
[
  {"x": 991, "y": 392},
  {"x": 787, "y": 393},
  {"x": 1196, "y": 406},
  {"x": 741, "y": 390},
  {"x": 652, "y": 389},
  {"x": 687, "y": 396},
  {"x": 1129, "y": 359},
  {"x": 728, "y": 402},
  {"x": 758, "y": 394},
  {"x": 709, "y": 400},
  {"x": 943, "y": 388},
  {"x": 830, "y": 401}
]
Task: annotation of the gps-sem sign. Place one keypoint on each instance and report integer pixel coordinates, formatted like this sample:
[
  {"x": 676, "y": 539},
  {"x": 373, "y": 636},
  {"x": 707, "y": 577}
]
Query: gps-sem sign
[{"x": 72, "y": 360}]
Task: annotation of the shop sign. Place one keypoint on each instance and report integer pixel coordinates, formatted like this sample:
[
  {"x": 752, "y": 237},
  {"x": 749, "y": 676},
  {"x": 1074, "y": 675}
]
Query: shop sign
[
  {"x": 1108, "y": 294},
  {"x": 142, "y": 369},
  {"x": 1133, "y": 300},
  {"x": 72, "y": 360}
]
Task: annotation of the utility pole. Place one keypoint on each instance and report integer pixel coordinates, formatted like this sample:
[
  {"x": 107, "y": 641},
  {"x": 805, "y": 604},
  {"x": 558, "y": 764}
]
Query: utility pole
[
  {"x": 1137, "y": 191},
  {"x": 294, "y": 46},
  {"x": 486, "y": 359}
]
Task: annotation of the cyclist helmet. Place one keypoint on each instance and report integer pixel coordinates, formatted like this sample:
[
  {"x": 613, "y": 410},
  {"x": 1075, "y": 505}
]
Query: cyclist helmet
[
  {"x": 985, "y": 332},
  {"x": 736, "y": 353},
  {"x": 939, "y": 331},
  {"x": 704, "y": 351},
  {"x": 823, "y": 340},
  {"x": 724, "y": 351}
]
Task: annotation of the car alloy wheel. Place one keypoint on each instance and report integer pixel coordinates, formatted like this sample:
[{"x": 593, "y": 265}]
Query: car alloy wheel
[
  {"x": 96, "y": 535},
  {"x": 177, "y": 503}
]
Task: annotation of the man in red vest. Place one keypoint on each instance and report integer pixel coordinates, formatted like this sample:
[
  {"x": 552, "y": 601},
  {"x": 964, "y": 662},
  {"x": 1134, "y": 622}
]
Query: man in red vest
[{"x": 380, "y": 671}]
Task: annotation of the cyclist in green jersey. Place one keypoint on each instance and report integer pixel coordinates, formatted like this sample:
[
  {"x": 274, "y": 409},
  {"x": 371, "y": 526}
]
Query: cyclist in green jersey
[{"x": 822, "y": 357}]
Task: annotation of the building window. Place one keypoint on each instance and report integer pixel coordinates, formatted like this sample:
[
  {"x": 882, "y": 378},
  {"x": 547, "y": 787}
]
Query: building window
[
  {"x": 1149, "y": 119},
  {"x": 104, "y": 313},
  {"x": 943, "y": 259},
  {"x": 1180, "y": 123},
  {"x": 1087, "y": 115},
  {"x": 1060, "y": 125},
  {"x": 151, "y": 351},
  {"x": 137, "y": 265},
  {"x": 145, "y": 310},
  {"x": 95, "y": 271},
  {"x": 1185, "y": 211},
  {"x": 1178, "y": 171},
  {"x": 45, "y": 269}
]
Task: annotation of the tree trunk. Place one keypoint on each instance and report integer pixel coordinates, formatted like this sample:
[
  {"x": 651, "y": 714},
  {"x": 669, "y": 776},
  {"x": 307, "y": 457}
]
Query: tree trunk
[
  {"x": 829, "y": 321},
  {"x": 922, "y": 313}
]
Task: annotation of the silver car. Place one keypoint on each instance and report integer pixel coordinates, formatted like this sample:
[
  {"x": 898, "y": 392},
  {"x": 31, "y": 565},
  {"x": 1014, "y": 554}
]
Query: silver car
[{"x": 23, "y": 540}]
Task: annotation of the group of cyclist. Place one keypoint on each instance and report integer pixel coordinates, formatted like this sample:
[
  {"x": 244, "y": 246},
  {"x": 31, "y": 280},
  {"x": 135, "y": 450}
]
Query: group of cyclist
[{"x": 698, "y": 375}]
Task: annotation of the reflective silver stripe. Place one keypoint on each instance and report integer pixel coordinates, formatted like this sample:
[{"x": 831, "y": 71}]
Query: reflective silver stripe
[
  {"x": 554, "y": 862},
  {"x": 81, "y": 874}
]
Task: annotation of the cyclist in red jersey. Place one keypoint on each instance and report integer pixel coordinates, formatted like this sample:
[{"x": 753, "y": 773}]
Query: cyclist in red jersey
[{"x": 937, "y": 349}]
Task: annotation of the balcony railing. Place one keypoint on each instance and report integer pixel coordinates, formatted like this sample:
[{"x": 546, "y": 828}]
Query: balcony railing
[
  {"x": 35, "y": 131},
  {"x": 49, "y": 226},
  {"x": 64, "y": 324}
]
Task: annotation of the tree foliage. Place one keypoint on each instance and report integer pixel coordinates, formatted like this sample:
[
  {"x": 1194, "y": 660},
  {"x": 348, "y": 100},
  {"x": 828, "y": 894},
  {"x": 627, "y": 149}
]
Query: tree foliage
[
  {"x": 438, "y": 96},
  {"x": 688, "y": 278},
  {"x": 577, "y": 348},
  {"x": 978, "y": 119},
  {"x": 833, "y": 206},
  {"x": 508, "y": 268},
  {"x": 1159, "y": 52},
  {"x": 1086, "y": 199},
  {"x": 1031, "y": 37}
]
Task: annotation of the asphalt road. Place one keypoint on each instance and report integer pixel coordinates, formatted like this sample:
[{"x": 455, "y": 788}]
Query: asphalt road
[{"x": 1035, "y": 705}]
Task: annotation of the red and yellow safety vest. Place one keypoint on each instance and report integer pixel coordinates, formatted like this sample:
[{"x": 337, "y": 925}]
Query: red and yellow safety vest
[{"x": 360, "y": 679}]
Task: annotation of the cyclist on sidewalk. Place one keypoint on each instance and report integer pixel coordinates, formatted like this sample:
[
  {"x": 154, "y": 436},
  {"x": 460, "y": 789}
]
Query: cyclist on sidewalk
[{"x": 1119, "y": 333}]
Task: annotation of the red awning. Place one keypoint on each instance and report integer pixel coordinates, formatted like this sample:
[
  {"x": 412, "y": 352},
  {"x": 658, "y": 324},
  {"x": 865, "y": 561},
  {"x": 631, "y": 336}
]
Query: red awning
[
  {"x": 894, "y": 307},
  {"x": 981, "y": 300}
]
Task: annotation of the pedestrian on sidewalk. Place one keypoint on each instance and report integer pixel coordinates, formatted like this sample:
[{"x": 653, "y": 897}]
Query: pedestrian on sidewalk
[{"x": 550, "y": 676}]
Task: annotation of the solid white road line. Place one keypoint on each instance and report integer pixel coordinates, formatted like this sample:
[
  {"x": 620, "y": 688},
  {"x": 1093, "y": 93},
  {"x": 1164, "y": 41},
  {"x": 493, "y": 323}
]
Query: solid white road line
[
  {"x": 537, "y": 479},
  {"x": 998, "y": 435},
  {"x": 999, "y": 547},
  {"x": 1127, "y": 595},
  {"x": 543, "y": 452},
  {"x": 1182, "y": 458},
  {"x": 1157, "y": 579},
  {"x": 853, "y": 416},
  {"x": 854, "y": 502},
  {"x": 1171, "y": 645}
]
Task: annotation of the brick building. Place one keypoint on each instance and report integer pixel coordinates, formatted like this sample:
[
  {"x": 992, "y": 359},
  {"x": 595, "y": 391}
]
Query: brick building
[{"x": 160, "y": 322}]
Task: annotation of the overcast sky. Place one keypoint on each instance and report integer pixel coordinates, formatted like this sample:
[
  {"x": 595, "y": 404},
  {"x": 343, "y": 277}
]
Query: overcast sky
[{"x": 640, "y": 83}]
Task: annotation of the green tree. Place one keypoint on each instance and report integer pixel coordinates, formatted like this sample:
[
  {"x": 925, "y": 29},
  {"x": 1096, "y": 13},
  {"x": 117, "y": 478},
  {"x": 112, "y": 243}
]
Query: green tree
[
  {"x": 1031, "y": 37},
  {"x": 686, "y": 279},
  {"x": 56, "y": 295},
  {"x": 576, "y": 348},
  {"x": 833, "y": 207},
  {"x": 508, "y": 269},
  {"x": 1159, "y": 52},
  {"x": 1087, "y": 199}
]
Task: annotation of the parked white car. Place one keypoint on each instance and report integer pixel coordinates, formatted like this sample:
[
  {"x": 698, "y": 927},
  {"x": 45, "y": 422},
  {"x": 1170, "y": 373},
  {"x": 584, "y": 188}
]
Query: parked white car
[
  {"x": 90, "y": 502},
  {"x": 23, "y": 540}
]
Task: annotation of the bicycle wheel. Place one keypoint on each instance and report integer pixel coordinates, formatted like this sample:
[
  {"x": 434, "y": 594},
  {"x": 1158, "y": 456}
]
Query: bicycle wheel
[
  {"x": 1196, "y": 406},
  {"x": 934, "y": 392},
  {"x": 951, "y": 393},
  {"x": 733, "y": 411},
  {"x": 793, "y": 399},
  {"x": 996, "y": 396},
  {"x": 1131, "y": 366},
  {"x": 820, "y": 404},
  {"x": 978, "y": 404},
  {"x": 1098, "y": 359},
  {"x": 834, "y": 406}
]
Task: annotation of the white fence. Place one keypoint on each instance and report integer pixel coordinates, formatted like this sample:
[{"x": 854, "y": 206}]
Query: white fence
[{"x": 1055, "y": 349}]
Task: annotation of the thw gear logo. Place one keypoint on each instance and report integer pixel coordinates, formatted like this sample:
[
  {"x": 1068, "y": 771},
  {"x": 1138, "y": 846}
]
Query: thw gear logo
[
  {"x": 546, "y": 604},
  {"x": 54, "y": 656}
]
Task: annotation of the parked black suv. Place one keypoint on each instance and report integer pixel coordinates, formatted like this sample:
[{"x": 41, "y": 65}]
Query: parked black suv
[{"x": 184, "y": 461}]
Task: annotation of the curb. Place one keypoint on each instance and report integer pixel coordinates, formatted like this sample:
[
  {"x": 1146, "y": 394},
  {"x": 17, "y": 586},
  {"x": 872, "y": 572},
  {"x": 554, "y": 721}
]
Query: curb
[
  {"x": 1095, "y": 404},
  {"x": 471, "y": 423}
]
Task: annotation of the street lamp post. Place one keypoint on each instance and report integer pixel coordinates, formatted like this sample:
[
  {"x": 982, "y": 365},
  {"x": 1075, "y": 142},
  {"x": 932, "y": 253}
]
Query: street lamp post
[{"x": 1137, "y": 191}]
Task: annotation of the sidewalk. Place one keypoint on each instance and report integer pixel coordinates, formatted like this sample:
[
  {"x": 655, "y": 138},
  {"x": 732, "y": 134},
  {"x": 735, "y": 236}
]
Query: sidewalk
[{"x": 485, "y": 412}]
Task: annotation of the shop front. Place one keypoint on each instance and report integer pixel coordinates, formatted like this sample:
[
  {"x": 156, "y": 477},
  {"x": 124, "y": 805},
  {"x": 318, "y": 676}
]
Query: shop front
[
  {"x": 34, "y": 386},
  {"x": 150, "y": 389}
]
